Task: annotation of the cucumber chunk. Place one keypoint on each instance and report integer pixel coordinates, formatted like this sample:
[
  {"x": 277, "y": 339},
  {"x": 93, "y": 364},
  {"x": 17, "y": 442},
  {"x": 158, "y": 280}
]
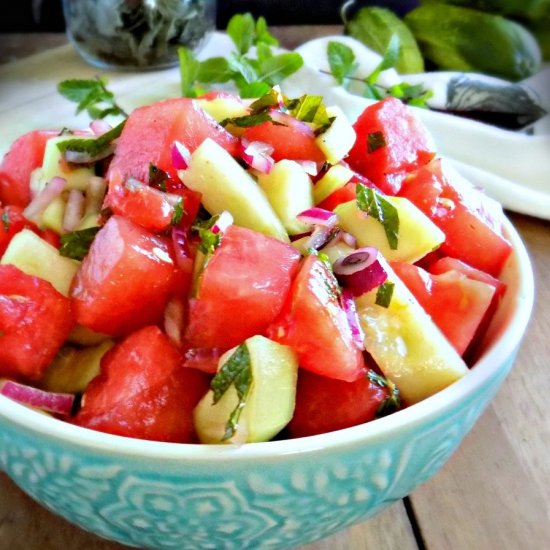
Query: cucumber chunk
[
  {"x": 226, "y": 185},
  {"x": 269, "y": 403}
]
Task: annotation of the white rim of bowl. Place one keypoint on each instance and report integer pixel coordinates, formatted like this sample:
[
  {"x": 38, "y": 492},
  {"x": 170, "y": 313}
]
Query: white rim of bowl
[{"x": 336, "y": 441}]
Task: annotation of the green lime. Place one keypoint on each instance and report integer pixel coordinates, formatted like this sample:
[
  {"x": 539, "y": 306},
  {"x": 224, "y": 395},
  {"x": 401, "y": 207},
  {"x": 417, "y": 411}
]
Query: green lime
[{"x": 374, "y": 27}]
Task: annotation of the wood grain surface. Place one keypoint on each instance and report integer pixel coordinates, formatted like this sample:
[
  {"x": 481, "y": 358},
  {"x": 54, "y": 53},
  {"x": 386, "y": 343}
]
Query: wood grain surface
[{"x": 494, "y": 493}]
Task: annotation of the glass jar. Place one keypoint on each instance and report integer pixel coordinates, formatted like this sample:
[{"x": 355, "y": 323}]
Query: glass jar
[{"x": 137, "y": 34}]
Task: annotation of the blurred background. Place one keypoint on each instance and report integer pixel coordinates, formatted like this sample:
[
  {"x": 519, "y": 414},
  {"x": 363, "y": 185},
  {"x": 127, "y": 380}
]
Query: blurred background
[{"x": 46, "y": 15}]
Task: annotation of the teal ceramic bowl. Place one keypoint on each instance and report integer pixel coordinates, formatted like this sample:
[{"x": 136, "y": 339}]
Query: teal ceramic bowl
[{"x": 265, "y": 495}]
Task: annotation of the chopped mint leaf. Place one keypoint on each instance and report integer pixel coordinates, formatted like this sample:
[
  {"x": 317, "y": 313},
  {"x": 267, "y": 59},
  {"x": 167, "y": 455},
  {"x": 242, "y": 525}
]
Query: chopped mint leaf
[
  {"x": 375, "y": 205},
  {"x": 91, "y": 148},
  {"x": 157, "y": 177},
  {"x": 392, "y": 402},
  {"x": 271, "y": 99},
  {"x": 247, "y": 121},
  {"x": 341, "y": 61},
  {"x": 237, "y": 372},
  {"x": 309, "y": 108},
  {"x": 375, "y": 141},
  {"x": 6, "y": 222},
  {"x": 209, "y": 240},
  {"x": 384, "y": 294},
  {"x": 76, "y": 244},
  {"x": 92, "y": 96},
  {"x": 177, "y": 216}
]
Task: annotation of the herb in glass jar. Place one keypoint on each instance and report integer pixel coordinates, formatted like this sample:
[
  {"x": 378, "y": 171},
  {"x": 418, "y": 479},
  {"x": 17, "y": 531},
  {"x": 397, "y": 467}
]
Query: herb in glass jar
[{"x": 137, "y": 34}]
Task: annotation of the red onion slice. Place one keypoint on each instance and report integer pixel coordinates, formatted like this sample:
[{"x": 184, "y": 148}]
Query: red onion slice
[
  {"x": 52, "y": 190},
  {"x": 60, "y": 403},
  {"x": 318, "y": 216},
  {"x": 320, "y": 237},
  {"x": 100, "y": 127},
  {"x": 73, "y": 210},
  {"x": 181, "y": 156},
  {"x": 360, "y": 271},
  {"x": 174, "y": 317},
  {"x": 310, "y": 167},
  {"x": 95, "y": 194},
  {"x": 257, "y": 155},
  {"x": 180, "y": 240},
  {"x": 348, "y": 305},
  {"x": 222, "y": 223}
]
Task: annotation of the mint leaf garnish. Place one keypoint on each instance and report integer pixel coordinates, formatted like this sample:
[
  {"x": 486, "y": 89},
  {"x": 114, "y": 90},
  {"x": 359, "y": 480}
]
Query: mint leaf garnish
[
  {"x": 242, "y": 31},
  {"x": 342, "y": 65},
  {"x": 237, "y": 372},
  {"x": 253, "y": 76},
  {"x": 76, "y": 244},
  {"x": 375, "y": 205},
  {"x": 92, "y": 96},
  {"x": 341, "y": 60},
  {"x": 384, "y": 294}
]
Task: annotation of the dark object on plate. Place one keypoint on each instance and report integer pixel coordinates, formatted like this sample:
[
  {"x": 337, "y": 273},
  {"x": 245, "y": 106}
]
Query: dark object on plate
[
  {"x": 511, "y": 106},
  {"x": 136, "y": 34}
]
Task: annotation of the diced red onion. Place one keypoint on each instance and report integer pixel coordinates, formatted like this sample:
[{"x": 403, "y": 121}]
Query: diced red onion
[
  {"x": 310, "y": 167},
  {"x": 348, "y": 238},
  {"x": 319, "y": 237},
  {"x": 289, "y": 120},
  {"x": 73, "y": 210},
  {"x": 181, "y": 156},
  {"x": 100, "y": 127},
  {"x": 60, "y": 403},
  {"x": 348, "y": 305},
  {"x": 203, "y": 359},
  {"x": 40, "y": 202},
  {"x": 180, "y": 240},
  {"x": 174, "y": 316},
  {"x": 222, "y": 223},
  {"x": 257, "y": 154},
  {"x": 318, "y": 216},
  {"x": 360, "y": 271},
  {"x": 95, "y": 194}
]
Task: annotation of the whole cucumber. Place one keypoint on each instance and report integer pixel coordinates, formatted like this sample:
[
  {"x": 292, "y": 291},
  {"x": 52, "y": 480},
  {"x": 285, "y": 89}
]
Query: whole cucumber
[
  {"x": 464, "y": 39},
  {"x": 374, "y": 27},
  {"x": 525, "y": 9}
]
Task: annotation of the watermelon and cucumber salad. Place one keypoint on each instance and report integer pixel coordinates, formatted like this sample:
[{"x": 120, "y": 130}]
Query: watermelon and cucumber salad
[{"x": 225, "y": 270}]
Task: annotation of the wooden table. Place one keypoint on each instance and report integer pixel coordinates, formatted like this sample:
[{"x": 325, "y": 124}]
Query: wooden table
[{"x": 493, "y": 494}]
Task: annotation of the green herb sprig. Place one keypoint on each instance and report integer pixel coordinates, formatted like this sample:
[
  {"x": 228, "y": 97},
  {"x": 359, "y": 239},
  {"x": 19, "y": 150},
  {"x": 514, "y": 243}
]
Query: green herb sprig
[
  {"x": 92, "y": 96},
  {"x": 252, "y": 75},
  {"x": 343, "y": 65}
]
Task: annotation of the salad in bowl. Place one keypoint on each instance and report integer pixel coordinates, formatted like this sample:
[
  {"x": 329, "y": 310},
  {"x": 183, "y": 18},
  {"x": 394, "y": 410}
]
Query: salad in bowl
[{"x": 246, "y": 304}]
